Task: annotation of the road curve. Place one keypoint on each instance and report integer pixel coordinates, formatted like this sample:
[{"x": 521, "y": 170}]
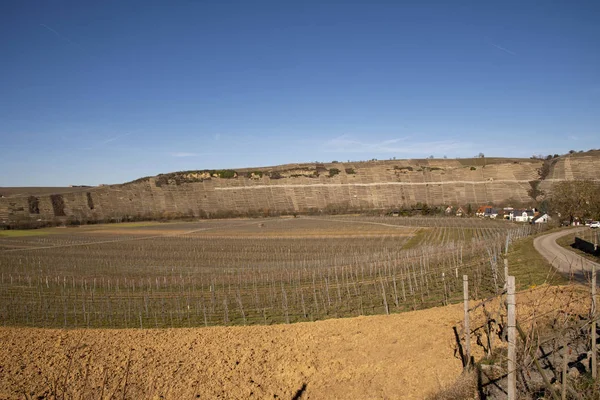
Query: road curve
[{"x": 562, "y": 259}]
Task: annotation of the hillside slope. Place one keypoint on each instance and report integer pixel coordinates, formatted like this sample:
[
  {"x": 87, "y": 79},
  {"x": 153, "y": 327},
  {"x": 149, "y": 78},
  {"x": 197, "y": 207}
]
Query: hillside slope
[{"x": 306, "y": 187}]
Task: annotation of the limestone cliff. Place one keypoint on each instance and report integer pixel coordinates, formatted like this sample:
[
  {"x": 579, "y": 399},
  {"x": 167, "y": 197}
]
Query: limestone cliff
[{"x": 306, "y": 187}]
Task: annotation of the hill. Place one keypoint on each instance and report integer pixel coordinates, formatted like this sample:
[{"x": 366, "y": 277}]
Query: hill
[{"x": 303, "y": 188}]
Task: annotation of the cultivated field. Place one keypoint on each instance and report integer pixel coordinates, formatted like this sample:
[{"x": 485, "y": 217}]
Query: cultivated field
[
  {"x": 238, "y": 272},
  {"x": 402, "y": 356}
]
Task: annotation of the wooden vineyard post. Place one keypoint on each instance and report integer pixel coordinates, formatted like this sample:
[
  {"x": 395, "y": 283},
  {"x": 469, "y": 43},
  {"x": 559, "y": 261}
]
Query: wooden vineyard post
[
  {"x": 565, "y": 356},
  {"x": 505, "y": 272},
  {"x": 512, "y": 339},
  {"x": 467, "y": 327},
  {"x": 445, "y": 290},
  {"x": 594, "y": 350}
]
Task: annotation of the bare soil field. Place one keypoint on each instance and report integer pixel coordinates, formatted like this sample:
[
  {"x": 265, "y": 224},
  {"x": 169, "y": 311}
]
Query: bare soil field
[
  {"x": 365, "y": 357},
  {"x": 403, "y": 356}
]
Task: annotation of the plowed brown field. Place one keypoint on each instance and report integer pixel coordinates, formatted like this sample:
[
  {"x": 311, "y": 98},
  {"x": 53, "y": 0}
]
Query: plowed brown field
[{"x": 402, "y": 356}]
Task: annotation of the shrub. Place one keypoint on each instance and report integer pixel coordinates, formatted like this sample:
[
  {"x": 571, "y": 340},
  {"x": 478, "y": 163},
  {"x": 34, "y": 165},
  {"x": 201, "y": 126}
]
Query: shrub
[
  {"x": 350, "y": 171},
  {"x": 58, "y": 205},
  {"x": 321, "y": 168},
  {"x": 140, "y": 180},
  {"x": 545, "y": 169},
  {"x": 473, "y": 168},
  {"x": 333, "y": 172},
  {"x": 73, "y": 221},
  {"x": 90, "y": 201},
  {"x": 182, "y": 177},
  {"x": 34, "y": 205},
  {"x": 535, "y": 191},
  {"x": 161, "y": 180},
  {"x": 226, "y": 173},
  {"x": 464, "y": 388},
  {"x": 275, "y": 175},
  {"x": 333, "y": 209}
]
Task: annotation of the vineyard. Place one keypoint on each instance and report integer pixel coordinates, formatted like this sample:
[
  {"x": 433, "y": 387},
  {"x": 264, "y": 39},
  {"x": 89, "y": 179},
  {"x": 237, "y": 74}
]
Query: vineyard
[{"x": 238, "y": 272}]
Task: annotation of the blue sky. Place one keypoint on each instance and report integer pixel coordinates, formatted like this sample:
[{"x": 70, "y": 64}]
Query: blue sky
[{"x": 106, "y": 92}]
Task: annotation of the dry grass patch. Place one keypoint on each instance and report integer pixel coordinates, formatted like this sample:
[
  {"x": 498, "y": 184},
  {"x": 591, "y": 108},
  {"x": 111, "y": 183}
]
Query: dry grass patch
[
  {"x": 464, "y": 388},
  {"x": 529, "y": 267}
]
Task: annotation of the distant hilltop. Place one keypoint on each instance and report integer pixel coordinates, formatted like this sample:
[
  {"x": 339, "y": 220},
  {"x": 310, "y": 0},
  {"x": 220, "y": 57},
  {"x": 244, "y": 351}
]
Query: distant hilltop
[{"x": 333, "y": 187}]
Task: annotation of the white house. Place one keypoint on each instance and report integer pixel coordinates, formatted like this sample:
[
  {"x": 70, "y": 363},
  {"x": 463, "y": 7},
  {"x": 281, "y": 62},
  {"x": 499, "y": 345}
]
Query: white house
[
  {"x": 541, "y": 219},
  {"x": 521, "y": 215}
]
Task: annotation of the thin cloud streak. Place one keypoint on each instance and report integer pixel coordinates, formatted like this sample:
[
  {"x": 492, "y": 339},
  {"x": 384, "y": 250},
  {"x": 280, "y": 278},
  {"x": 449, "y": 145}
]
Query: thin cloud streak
[
  {"x": 403, "y": 145},
  {"x": 503, "y": 49},
  {"x": 105, "y": 142},
  {"x": 60, "y": 35},
  {"x": 183, "y": 154},
  {"x": 115, "y": 138}
]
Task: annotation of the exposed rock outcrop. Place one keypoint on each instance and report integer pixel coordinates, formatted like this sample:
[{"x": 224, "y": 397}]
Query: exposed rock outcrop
[{"x": 305, "y": 187}]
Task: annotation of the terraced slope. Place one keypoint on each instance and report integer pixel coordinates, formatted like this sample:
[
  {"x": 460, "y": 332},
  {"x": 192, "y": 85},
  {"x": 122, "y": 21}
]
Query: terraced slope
[{"x": 304, "y": 187}]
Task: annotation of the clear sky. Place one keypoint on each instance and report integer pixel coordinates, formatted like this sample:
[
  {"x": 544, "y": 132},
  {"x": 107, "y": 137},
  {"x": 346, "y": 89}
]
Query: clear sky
[{"x": 108, "y": 91}]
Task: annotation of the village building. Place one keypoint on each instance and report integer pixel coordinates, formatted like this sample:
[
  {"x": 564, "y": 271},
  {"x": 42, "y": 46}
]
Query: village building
[
  {"x": 541, "y": 218},
  {"x": 522, "y": 215}
]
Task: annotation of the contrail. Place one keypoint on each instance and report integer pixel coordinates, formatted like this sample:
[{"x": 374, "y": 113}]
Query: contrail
[
  {"x": 503, "y": 49},
  {"x": 112, "y": 139},
  {"x": 181, "y": 154},
  {"x": 60, "y": 35}
]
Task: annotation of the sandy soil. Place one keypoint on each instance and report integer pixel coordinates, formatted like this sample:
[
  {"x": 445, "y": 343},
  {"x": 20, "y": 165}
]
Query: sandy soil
[{"x": 402, "y": 356}]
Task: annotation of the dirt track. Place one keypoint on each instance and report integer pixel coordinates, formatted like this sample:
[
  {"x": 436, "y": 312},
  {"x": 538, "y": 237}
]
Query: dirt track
[{"x": 563, "y": 259}]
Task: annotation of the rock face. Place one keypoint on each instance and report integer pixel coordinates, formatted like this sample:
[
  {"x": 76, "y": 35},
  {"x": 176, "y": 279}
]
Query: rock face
[{"x": 307, "y": 187}]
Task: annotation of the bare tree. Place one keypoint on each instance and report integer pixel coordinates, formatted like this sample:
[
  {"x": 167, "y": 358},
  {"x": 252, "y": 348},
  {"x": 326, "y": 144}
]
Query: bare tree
[{"x": 576, "y": 199}]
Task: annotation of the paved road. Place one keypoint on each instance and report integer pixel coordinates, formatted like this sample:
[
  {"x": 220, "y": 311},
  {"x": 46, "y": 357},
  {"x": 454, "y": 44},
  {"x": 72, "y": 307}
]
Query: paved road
[{"x": 563, "y": 259}]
